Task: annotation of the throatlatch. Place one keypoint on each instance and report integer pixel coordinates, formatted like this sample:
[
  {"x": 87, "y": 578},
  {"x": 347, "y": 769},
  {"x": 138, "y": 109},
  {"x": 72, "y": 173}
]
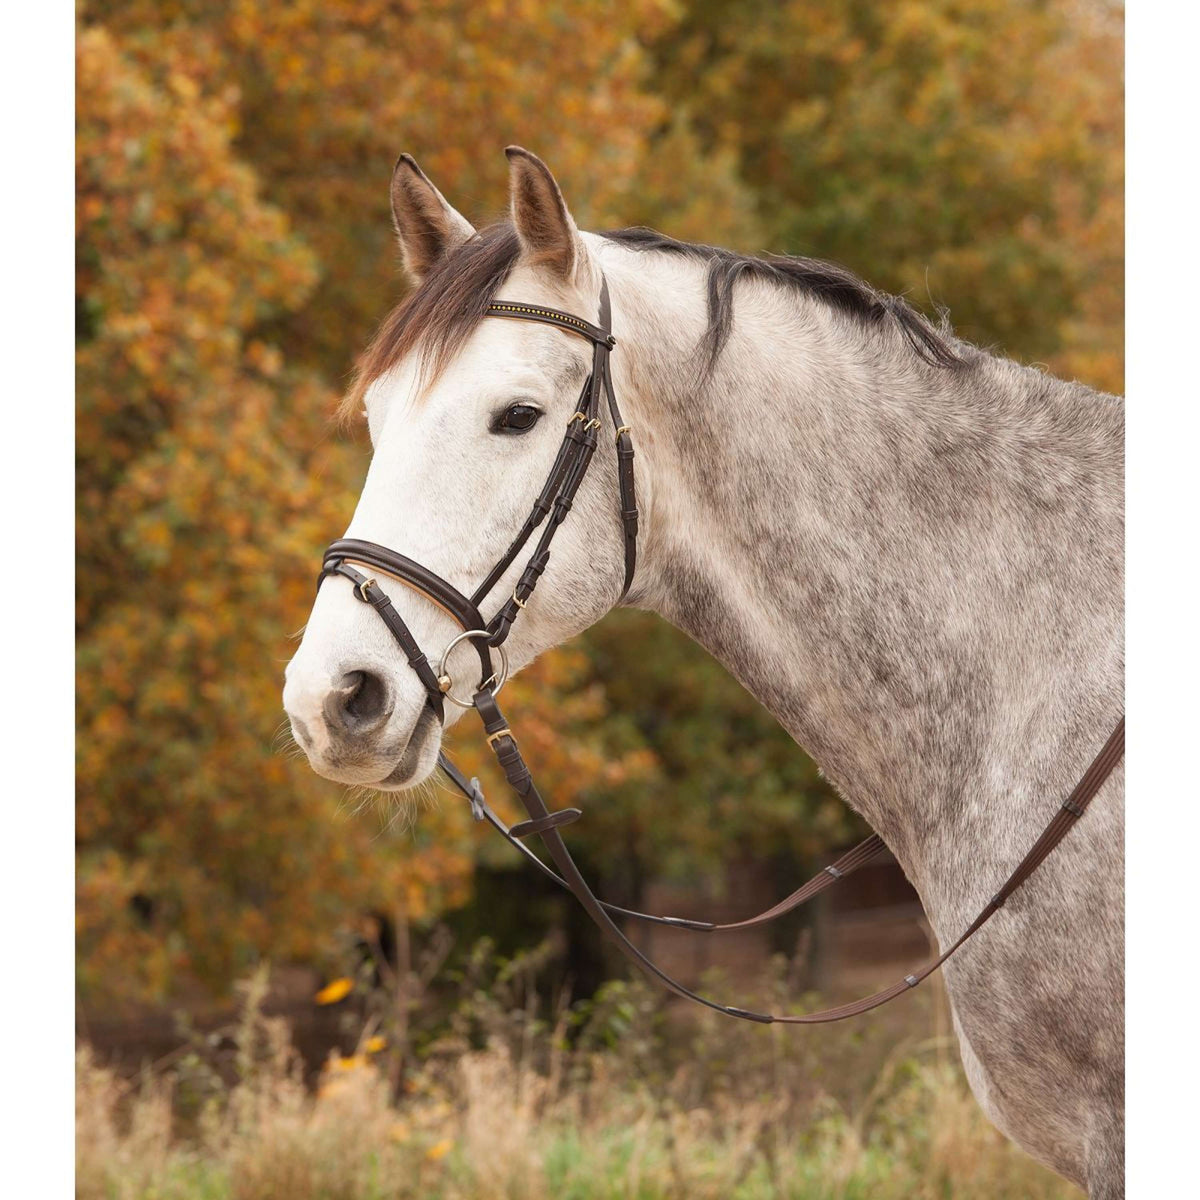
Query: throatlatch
[{"x": 346, "y": 556}]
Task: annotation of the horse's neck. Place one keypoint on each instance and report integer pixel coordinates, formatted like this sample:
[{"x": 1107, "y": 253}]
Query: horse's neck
[{"x": 916, "y": 569}]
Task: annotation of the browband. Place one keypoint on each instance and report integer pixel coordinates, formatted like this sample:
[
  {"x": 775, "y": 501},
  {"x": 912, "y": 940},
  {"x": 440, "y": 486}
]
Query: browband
[{"x": 553, "y": 316}]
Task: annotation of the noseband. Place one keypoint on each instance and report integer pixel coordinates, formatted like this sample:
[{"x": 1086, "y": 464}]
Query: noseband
[{"x": 346, "y": 556}]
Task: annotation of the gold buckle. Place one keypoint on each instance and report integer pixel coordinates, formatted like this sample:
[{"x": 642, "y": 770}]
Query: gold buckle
[{"x": 505, "y": 732}]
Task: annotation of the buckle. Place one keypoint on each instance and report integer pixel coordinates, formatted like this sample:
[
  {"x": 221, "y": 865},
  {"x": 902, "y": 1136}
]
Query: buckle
[{"x": 500, "y": 733}]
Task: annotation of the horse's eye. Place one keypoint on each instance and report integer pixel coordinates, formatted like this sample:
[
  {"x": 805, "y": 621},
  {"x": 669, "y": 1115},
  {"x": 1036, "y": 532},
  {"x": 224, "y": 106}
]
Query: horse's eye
[{"x": 517, "y": 418}]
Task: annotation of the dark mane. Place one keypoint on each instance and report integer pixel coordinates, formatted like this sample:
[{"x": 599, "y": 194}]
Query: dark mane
[
  {"x": 827, "y": 281},
  {"x": 452, "y": 299}
]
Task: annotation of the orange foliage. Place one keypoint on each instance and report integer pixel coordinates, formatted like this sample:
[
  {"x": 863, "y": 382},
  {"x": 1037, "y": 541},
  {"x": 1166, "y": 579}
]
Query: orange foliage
[
  {"x": 215, "y": 300},
  {"x": 965, "y": 152}
]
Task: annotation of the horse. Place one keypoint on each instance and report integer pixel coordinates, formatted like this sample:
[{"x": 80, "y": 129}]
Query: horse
[{"x": 907, "y": 548}]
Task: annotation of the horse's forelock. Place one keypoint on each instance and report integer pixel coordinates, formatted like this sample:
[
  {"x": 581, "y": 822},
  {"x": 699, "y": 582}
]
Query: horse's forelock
[{"x": 441, "y": 312}]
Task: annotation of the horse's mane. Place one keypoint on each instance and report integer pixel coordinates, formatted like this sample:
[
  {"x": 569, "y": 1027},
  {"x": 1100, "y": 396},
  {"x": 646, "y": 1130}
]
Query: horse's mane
[
  {"x": 827, "y": 281},
  {"x": 444, "y": 309}
]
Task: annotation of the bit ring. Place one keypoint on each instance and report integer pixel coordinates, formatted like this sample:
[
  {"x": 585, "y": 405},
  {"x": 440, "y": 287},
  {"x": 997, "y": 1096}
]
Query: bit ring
[{"x": 447, "y": 683}]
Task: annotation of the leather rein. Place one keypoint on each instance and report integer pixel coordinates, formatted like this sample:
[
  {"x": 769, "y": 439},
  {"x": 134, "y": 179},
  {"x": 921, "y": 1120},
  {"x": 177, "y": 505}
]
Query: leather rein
[{"x": 345, "y": 557}]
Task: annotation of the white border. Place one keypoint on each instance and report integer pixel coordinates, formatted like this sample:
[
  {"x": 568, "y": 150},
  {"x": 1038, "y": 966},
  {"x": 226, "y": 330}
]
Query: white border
[
  {"x": 1163, "y": 553},
  {"x": 37, "y": 612}
]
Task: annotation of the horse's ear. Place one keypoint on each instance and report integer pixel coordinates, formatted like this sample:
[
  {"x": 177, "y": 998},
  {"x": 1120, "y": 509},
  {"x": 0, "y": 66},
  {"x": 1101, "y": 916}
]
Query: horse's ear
[
  {"x": 426, "y": 225},
  {"x": 548, "y": 234}
]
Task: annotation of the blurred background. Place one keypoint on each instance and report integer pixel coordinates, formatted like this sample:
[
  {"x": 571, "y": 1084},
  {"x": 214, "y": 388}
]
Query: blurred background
[{"x": 234, "y": 253}]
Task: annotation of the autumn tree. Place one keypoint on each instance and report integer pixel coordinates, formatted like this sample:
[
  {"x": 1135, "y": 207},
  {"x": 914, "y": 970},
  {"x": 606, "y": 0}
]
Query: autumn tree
[
  {"x": 233, "y": 250},
  {"x": 330, "y": 91},
  {"x": 203, "y": 478},
  {"x": 965, "y": 152}
]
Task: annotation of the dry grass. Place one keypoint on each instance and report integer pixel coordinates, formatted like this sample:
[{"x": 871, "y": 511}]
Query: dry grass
[{"x": 504, "y": 1107}]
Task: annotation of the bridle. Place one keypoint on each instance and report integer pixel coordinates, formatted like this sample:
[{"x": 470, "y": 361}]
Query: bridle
[{"x": 552, "y": 506}]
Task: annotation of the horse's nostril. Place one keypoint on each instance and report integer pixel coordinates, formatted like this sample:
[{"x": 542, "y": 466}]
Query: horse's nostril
[
  {"x": 366, "y": 696},
  {"x": 358, "y": 703}
]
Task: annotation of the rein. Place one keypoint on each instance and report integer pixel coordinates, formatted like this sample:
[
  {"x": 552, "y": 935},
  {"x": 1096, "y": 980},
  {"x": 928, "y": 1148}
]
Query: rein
[{"x": 346, "y": 556}]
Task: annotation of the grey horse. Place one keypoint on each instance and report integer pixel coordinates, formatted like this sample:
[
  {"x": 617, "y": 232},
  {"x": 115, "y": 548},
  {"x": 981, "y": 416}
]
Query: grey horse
[{"x": 909, "y": 550}]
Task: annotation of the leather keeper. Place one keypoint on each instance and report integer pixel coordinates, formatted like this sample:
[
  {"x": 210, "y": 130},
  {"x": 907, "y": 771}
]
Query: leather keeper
[
  {"x": 531, "y": 574},
  {"x": 746, "y": 1014},
  {"x": 513, "y": 765},
  {"x": 564, "y": 816}
]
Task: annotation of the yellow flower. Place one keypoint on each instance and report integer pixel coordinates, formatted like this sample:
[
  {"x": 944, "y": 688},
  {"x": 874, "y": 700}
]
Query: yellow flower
[
  {"x": 373, "y": 1045},
  {"x": 338, "y": 1063},
  {"x": 331, "y": 993},
  {"x": 440, "y": 1149}
]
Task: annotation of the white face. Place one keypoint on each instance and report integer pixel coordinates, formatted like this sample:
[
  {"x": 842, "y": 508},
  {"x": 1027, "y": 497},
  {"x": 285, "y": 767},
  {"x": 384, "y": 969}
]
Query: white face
[{"x": 452, "y": 479}]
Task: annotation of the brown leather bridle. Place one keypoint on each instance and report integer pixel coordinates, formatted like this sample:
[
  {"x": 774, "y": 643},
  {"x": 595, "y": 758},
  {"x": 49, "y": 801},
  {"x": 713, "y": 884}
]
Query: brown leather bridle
[{"x": 552, "y": 505}]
